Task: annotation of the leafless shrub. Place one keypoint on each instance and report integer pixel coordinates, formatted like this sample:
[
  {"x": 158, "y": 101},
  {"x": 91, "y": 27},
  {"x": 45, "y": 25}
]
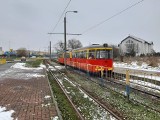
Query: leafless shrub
[{"x": 153, "y": 61}]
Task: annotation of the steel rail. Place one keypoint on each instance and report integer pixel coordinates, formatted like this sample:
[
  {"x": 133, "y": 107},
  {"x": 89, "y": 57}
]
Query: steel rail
[
  {"x": 67, "y": 96},
  {"x": 102, "y": 105},
  {"x": 99, "y": 103},
  {"x": 112, "y": 81},
  {"x": 57, "y": 109}
]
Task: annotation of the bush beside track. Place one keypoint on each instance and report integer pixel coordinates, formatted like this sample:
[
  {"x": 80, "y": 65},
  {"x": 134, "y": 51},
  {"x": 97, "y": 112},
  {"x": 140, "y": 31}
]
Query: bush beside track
[{"x": 34, "y": 64}]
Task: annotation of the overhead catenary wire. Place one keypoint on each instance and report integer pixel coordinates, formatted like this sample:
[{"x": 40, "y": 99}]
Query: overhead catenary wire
[
  {"x": 61, "y": 16},
  {"x": 100, "y": 23}
]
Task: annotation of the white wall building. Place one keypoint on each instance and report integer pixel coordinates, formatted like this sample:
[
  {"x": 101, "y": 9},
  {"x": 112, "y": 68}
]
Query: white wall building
[
  {"x": 1, "y": 52},
  {"x": 139, "y": 46}
]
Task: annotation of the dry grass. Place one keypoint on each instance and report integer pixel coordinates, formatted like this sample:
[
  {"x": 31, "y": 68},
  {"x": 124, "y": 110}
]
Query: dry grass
[{"x": 151, "y": 61}]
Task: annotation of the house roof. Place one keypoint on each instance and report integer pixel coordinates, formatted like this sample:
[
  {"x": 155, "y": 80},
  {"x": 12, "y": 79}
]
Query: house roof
[{"x": 137, "y": 39}]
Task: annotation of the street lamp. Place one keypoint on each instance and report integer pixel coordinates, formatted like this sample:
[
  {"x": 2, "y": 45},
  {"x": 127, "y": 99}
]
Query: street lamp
[{"x": 65, "y": 35}]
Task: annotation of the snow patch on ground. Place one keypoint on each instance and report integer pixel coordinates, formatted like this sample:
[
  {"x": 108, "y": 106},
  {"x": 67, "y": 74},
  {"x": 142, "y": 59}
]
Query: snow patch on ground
[
  {"x": 52, "y": 68},
  {"x": 20, "y": 71},
  {"x": 133, "y": 65},
  {"x": 55, "y": 118},
  {"x": 144, "y": 70},
  {"x": 22, "y": 66},
  {"x": 47, "y": 97},
  {"x": 36, "y": 75},
  {"x": 5, "y": 115},
  {"x": 60, "y": 67}
]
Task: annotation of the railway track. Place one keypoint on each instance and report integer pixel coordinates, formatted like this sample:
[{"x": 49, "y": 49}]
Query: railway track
[
  {"x": 119, "y": 79},
  {"x": 107, "y": 113},
  {"x": 118, "y": 86},
  {"x": 57, "y": 80}
]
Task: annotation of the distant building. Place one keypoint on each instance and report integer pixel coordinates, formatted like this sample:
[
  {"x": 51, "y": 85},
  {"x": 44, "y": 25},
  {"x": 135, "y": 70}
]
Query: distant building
[
  {"x": 38, "y": 53},
  {"x": 1, "y": 51},
  {"x": 138, "y": 45}
]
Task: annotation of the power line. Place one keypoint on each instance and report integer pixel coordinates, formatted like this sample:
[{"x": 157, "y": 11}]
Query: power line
[
  {"x": 94, "y": 26},
  {"x": 61, "y": 15}
]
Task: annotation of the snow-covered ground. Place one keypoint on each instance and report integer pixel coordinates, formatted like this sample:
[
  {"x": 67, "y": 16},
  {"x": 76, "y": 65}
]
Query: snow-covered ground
[
  {"x": 20, "y": 71},
  {"x": 5, "y": 115},
  {"x": 140, "y": 71},
  {"x": 134, "y": 66},
  {"x": 22, "y": 66}
]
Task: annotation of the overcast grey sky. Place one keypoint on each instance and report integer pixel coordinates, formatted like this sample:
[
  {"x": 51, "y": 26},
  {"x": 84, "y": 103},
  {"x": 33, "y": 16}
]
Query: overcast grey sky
[{"x": 25, "y": 23}]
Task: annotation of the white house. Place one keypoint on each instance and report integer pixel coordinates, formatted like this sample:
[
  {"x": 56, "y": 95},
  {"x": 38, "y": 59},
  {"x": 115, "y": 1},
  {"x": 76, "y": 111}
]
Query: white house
[
  {"x": 1, "y": 52},
  {"x": 138, "y": 45}
]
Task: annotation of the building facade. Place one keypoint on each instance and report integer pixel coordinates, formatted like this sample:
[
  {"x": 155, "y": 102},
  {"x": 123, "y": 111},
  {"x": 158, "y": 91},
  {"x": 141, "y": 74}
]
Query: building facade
[
  {"x": 1, "y": 51},
  {"x": 138, "y": 45}
]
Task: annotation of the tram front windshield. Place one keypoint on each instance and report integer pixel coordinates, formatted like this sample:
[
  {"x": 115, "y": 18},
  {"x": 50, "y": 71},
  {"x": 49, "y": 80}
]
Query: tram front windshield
[{"x": 101, "y": 54}]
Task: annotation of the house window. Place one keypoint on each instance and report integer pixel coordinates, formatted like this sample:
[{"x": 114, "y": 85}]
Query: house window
[{"x": 129, "y": 46}]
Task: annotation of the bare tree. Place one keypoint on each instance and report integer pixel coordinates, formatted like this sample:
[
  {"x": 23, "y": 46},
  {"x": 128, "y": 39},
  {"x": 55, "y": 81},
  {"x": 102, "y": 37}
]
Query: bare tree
[
  {"x": 73, "y": 44},
  {"x": 59, "y": 46},
  {"x": 116, "y": 52},
  {"x": 22, "y": 52}
]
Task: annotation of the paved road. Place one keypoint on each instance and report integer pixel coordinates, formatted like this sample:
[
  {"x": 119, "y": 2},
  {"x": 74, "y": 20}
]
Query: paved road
[{"x": 6, "y": 66}]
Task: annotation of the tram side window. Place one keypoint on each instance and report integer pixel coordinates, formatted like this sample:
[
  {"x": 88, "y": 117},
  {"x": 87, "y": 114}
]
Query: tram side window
[
  {"x": 104, "y": 54},
  {"x": 98, "y": 54},
  {"x": 60, "y": 55},
  {"x": 110, "y": 54},
  {"x": 73, "y": 55},
  {"x": 77, "y": 55},
  {"x": 91, "y": 54},
  {"x": 84, "y": 54},
  {"x": 81, "y": 54},
  {"x": 67, "y": 55}
]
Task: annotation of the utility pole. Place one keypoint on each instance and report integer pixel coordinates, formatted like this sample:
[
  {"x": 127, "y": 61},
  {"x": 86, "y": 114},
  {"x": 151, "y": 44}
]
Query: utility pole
[
  {"x": 65, "y": 41},
  {"x": 65, "y": 48},
  {"x": 65, "y": 36},
  {"x": 50, "y": 50}
]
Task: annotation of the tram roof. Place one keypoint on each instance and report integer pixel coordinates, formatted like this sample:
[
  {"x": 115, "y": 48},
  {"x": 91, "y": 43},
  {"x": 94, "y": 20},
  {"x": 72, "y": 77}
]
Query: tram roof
[{"x": 96, "y": 46}]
